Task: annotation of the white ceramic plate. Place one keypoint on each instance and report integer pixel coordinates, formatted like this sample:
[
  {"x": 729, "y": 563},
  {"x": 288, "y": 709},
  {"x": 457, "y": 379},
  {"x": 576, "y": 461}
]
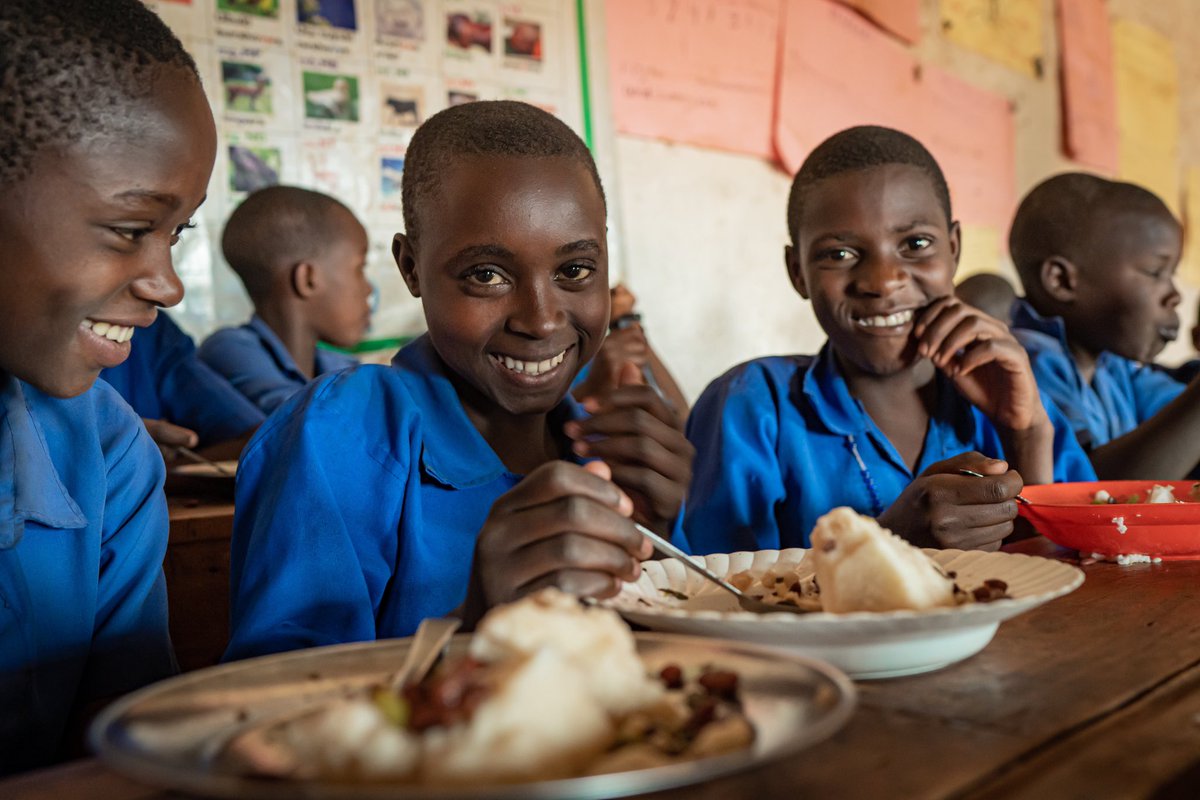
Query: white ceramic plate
[
  {"x": 863, "y": 644},
  {"x": 166, "y": 734}
]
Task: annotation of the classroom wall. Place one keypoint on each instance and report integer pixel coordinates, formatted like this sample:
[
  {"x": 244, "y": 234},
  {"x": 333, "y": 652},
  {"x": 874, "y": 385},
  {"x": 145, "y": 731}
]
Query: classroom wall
[{"x": 701, "y": 233}]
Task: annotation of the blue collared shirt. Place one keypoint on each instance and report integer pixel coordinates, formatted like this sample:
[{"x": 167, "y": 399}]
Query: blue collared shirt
[
  {"x": 1121, "y": 396},
  {"x": 254, "y": 359},
  {"x": 83, "y": 532},
  {"x": 163, "y": 379},
  {"x": 781, "y": 441},
  {"x": 358, "y": 506}
]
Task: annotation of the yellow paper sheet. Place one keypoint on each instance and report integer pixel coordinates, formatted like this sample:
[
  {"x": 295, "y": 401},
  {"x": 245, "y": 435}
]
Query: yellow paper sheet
[
  {"x": 980, "y": 251},
  {"x": 1147, "y": 109},
  {"x": 1189, "y": 268},
  {"x": 699, "y": 72},
  {"x": 1008, "y": 31}
]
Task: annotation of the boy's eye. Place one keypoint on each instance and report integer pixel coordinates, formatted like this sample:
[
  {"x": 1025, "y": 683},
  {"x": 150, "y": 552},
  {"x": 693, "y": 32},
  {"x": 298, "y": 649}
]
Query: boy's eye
[
  {"x": 130, "y": 234},
  {"x": 187, "y": 226},
  {"x": 837, "y": 255},
  {"x": 575, "y": 273},
  {"x": 918, "y": 242},
  {"x": 484, "y": 276}
]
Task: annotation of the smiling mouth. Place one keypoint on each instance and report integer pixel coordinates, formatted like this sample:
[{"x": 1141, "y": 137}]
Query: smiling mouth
[
  {"x": 885, "y": 320},
  {"x": 106, "y": 330},
  {"x": 529, "y": 367}
]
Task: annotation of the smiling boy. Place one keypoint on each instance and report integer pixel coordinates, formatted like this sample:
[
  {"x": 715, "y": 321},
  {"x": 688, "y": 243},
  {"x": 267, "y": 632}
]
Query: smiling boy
[
  {"x": 1097, "y": 259},
  {"x": 91, "y": 201},
  {"x": 454, "y": 479},
  {"x": 911, "y": 387}
]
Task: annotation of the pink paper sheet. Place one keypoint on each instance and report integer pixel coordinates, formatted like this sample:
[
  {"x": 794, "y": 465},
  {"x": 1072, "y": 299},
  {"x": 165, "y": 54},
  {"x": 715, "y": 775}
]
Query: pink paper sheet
[
  {"x": 699, "y": 72},
  {"x": 901, "y": 17},
  {"x": 1089, "y": 92}
]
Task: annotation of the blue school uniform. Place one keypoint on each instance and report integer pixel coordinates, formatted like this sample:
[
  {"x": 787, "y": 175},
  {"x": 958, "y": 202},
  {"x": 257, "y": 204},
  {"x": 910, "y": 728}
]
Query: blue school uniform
[
  {"x": 781, "y": 441},
  {"x": 1122, "y": 394},
  {"x": 83, "y": 532},
  {"x": 254, "y": 359},
  {"x": 358, "y": 506},
  {"x": 163, "y": 379}
]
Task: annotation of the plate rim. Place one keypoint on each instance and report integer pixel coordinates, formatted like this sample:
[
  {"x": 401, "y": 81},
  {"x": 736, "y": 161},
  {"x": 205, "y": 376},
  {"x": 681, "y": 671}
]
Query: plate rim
[{"x": 618, "y": 784}]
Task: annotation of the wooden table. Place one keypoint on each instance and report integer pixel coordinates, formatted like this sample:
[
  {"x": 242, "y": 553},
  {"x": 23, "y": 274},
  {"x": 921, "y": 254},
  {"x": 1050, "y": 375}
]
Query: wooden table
[
  {"x": 197, "y": 571},
  {"x": 1094, "y": 695}
]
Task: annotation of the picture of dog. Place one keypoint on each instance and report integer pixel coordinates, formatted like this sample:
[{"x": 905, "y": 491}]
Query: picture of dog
[
  {"x": 247, "y": 87},
  {"x": 330, "y": 97}
]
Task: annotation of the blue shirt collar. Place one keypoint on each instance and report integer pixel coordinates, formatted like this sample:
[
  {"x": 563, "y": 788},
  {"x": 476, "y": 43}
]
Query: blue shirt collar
[
  {"x": 454, "y": 452},
  {"x": 1024, "y": 315},
  {"x": 843, "y": 414},
  {"x": 36, "y": 491}
]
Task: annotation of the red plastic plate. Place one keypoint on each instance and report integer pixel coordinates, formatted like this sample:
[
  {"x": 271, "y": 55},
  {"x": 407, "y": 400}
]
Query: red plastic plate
[{"x": 1065, "y": 514}]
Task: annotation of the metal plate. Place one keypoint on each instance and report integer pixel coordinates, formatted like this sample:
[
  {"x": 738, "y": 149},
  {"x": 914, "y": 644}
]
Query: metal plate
[{"x": 168, "y": 734}]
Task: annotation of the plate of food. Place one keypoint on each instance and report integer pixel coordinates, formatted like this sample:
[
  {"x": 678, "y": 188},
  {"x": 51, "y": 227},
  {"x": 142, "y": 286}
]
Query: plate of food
[
  {"x": 878, "y": 607},
  {"x": 549, "y": 698},
  {"x": 1119, "y": 520}
]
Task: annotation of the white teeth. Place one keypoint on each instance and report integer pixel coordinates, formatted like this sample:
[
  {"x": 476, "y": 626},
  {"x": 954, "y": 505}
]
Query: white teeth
[
  {"x": 889, "y": 321},
  {"x": 114, "y": 333},
  {"x": 531, "y": 367}
]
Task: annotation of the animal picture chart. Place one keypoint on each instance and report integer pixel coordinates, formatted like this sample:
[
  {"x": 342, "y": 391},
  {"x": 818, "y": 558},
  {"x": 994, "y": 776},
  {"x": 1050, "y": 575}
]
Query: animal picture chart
[{"x": 326, "y": 94}]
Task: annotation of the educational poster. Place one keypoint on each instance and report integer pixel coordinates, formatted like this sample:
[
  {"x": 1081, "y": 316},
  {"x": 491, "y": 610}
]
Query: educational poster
[
  {"x": 250, "y": 20},
  {"x": 339, "y": 167},
  {"x": 468, "y": 30},
  {"x": 332, "y": 94},
  {"x": 699, "y": 72},
  {"x": 254, "y": 160},
  {"x": 188, "y": 18},
  {"x": 817, "y": 78},
  {"x": 255, "y": 88},
  {"x": 1089, "y": 94},
  {"x": 899, "y": 17},
  {"x": 1009, "y": 32},
  {"x": 1147, "y": 109},
  {"x": 391, "y": 169},
  {"x": 328, "y": 26}
]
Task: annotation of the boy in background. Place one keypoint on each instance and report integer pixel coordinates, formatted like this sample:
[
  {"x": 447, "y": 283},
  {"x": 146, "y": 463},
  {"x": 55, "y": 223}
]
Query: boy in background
[
  {"x": 912, "y": 387},
  {"x": 302, "y": 257},
  {"x": 1097, "y": 259},
  {"x": 990, "y": 293}
]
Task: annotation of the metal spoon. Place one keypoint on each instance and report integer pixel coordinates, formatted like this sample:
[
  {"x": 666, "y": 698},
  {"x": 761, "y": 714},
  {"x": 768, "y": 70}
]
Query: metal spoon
[
  {"x": 1022, "y": 500},
  {"x": 746, "y": 602},
  {"x": 192, "y": 455}
]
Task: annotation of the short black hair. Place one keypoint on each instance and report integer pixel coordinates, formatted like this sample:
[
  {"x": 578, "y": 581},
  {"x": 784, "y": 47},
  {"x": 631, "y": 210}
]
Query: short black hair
[
  {"x": 68, "y": 69},
  {"x": 1061, "y": 216},
  {"x": 859, "y": 148},
  {"x": 483, "y": 128},
  {"x": 276, "y": 228}
]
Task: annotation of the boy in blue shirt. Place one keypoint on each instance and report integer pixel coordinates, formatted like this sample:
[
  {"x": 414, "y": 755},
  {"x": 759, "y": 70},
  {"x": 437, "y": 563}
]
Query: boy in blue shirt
[
  {"x": 182, "y": 402},
  {"x": 106, "y": 147},
  {"x": 1097, "y": 259},
  {"x": 455, "y": 479},
  {"x": 911, "y": 387},
  {"x": 302, "y": 257}
]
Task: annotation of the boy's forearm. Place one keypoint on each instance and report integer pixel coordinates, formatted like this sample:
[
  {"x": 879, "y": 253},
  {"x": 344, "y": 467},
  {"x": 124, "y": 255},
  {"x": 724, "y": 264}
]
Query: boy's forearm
[
  {"x": 1164, "y": 447},
  {"x": 1031, "y": 452}
]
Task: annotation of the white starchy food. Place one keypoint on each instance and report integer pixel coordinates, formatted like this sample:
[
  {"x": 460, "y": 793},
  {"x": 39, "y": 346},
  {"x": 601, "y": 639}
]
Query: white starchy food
[
  {"x": 1161, "y": 494},
  {"x": 351, "y": 739},
  {"x": 1102, "y": 496},
  {"x": 863, "y": 567},
  {"x": 540, "y": 722},
  {"x": 594, "y": 640},
  {"x": 1120, "y": 523}
]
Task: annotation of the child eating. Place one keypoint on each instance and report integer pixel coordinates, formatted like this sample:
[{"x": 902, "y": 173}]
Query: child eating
[
  {"x": 912, "y": 387},
  {"x": 106, "y": 145},
  {"x": 455, "y": 479},
  {"x": 1097, "y": 259}
]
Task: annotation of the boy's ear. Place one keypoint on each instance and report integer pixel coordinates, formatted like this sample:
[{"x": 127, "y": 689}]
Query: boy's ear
[
  {"x": 306, "y": 280},
  {"x": 956, "y": 242},
  {"x": 1060, "y": 278},
  {"x": 406, "y": 260},
  {"x": 792, "y": 262}
]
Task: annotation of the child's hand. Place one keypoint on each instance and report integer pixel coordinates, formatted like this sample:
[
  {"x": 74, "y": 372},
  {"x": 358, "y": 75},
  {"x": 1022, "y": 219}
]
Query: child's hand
[
  {"x": 563, "y": 525},
  {"x": 634, "y": 431},
  {"x": 170, "y": 437},
  {"x": 988, "y": 366},
  {"x": 944, "y": 508}
]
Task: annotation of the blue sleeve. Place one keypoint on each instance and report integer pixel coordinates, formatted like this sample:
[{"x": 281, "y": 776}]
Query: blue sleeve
[
  {"x": 1058, "y": 384},
  {"x": 131, "y": 644},
  {"x": 1071, "y": 463},
  {"x": 195, "y": 397},
  {"x": 736, "y": 478},
  {"x": 315, "y": 535},
  {"x": 1152, "y": 389},
  {"x": 240, "y": 357}
]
